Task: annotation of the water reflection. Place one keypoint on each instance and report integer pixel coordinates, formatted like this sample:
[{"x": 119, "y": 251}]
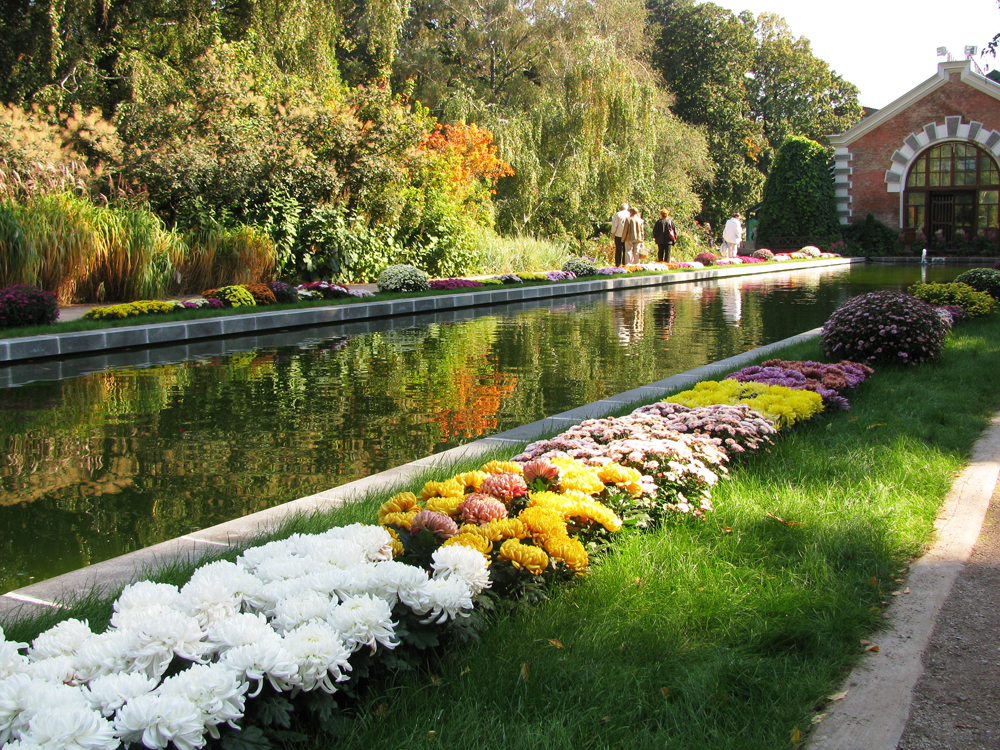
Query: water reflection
[{"x": 98, "y": 465}]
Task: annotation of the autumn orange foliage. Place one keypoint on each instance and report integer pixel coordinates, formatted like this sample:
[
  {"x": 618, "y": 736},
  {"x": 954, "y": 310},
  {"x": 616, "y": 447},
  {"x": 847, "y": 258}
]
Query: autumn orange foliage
[{"x": 469, "y": 152}]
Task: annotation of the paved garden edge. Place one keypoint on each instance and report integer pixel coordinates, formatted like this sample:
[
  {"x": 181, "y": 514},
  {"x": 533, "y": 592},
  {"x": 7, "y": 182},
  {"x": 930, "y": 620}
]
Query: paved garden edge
[
  {"x": 160, "y": 334},
  {"x": 110, "y": 575}
]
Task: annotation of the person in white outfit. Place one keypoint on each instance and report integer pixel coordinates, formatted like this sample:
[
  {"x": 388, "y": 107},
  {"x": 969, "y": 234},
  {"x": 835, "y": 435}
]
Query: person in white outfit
[
  {"x": 617, "y": 227},
  {"x": 732, "y": 236}
]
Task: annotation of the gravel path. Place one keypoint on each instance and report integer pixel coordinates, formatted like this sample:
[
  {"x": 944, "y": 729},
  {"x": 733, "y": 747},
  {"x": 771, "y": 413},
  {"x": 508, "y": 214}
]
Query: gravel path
[{"x": 955, "y": 705}]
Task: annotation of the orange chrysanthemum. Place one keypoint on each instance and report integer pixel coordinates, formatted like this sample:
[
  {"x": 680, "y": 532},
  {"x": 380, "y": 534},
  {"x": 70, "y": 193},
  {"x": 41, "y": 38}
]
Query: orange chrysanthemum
[
  {"x": 475, "y": 541},
  {"x": 570, "y": 550},
  {"x": 532, "y": 559}
]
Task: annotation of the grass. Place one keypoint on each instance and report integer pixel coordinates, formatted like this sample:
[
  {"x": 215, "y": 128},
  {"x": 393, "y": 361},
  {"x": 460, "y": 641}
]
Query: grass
[{"x": 726, "y": 633}]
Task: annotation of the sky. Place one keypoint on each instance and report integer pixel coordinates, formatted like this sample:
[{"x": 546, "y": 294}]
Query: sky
[{"x": 885, "y": 47}]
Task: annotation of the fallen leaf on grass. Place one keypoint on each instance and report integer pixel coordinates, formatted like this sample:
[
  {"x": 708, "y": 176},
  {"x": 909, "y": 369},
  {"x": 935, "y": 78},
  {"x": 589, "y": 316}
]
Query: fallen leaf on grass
[
  {"x": 782, "y": 520},
  {"x": 556, "y": 642},
  {"x": 838, "y": 696},
  {"x": 796, "y": 736},
  {"x": 664, "y": 691},
  {"x": 639, "y": 583},
  {"x": 906, "y": 590},
  {"x": 873, "y": 648},
  {"x": 865, "y": 642},
  {"x": 852, "y": 419},
  {"x": 873, "y": 426},
  {"x": 873, "y": 581},
  {"x": 431, "y": 735},
  {"x": 525, "y": 672},
  {"x": 382, "y": 710},
  {"x": 465, "y": 671},
  {"x": 727, "y": 530},
  {"x": 818, "y": 718},
  {"x": 435, "y": 679}
]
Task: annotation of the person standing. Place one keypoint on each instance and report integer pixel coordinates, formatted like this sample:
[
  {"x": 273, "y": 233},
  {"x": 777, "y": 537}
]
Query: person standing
[
  {"x": 732, "y": 235},
  {"x": 632, "y": 236},
  {"x": 664, "y": 235},
  {"x": 617, "y": 227}
]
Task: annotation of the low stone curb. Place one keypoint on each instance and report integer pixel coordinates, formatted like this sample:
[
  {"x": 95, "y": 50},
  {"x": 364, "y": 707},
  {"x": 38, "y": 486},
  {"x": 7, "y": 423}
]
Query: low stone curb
[
  {"x": 159, "y": 334},
  {"x": 880, "y": 689},
  {"x": 109, "y": 575}
]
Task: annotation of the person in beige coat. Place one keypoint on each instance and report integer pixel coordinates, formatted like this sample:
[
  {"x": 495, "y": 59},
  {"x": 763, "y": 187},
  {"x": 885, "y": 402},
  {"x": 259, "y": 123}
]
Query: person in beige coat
[{"x": 634, "y": 236}]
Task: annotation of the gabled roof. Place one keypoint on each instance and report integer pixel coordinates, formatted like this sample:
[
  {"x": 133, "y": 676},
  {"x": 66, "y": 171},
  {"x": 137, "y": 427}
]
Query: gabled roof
[{"x": 944, "y": 71}]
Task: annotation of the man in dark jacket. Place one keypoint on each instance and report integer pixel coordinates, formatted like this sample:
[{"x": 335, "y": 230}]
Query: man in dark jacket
[{"x": 664, "y": 235}]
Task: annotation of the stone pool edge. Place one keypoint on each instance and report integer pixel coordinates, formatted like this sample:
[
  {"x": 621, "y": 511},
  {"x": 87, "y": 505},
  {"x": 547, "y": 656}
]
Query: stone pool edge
[
  {"x": 156, "y": 334},
  {"x": 109, "y": 575}
]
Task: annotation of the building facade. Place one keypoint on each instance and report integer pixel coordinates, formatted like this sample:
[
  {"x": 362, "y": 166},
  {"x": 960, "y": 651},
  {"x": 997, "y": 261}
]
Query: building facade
[{"x": 927, "y": 163}]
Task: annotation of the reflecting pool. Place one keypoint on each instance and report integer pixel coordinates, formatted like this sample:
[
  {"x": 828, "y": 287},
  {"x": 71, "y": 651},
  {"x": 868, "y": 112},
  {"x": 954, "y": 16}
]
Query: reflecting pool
[{"x": 98, "y": 465}]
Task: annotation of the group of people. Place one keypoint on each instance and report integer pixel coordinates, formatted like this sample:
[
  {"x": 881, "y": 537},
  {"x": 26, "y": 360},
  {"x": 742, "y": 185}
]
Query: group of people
[{"x": 629, "y": 231}]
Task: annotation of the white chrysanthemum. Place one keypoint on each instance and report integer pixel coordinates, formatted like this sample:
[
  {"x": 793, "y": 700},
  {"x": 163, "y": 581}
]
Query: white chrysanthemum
[
  {"x": 299, "y": 609},
  {"x": 254, "y": 556},
  {"x": 329, "y": 581},
  {"x": 320, "y": 654},
  {"x": 231, "y": 577},
  {"x": 110, "y": 692},
  {"x": 133, "y": 618},
  {"x": 456, "y": 561},
  {"x": 389, "y": 578},
  {"x": 106, "y": 653},
  {"x": 67, "y": 728},
  {"x": 359, "y": 579},
  {"x": 219, "y": 692},
  {"x": 146, "y": 594},
  {"x": 59, "y": 669},
  {"x": 364, "y": 620},
  {"x": 12, "y": 661},
  {"x": 62, "y": 640},
  {"x": 270, "y": 659},
  {"x": 286, "y": 568},
  {"x": 21, "y": 745},
  {"x": 272, "y": 593},
  {"x": 375, "y": 540},
  {"x": 340, "y": 553},
  {"x": 240, "y": 630},
  {"x": 157, "y": 720},
  {"x": 440, "y": 598},
  {"x": 208, "y": 600},
  {"x": 169, "y": 633},
  {"x": 21, "y": 698}
]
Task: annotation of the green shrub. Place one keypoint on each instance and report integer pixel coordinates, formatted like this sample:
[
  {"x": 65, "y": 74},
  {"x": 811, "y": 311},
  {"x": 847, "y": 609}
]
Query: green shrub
[
  {"x": 799, "y": 196},
  {"x": 982, "y": 280},
  {"x": 232, "y": 296},
  {"x": 870, "y": 237},
  {"x": 580, "y": 266},
  {"x": 973, "y": 302},
  {"x": 403, "y": 278}
]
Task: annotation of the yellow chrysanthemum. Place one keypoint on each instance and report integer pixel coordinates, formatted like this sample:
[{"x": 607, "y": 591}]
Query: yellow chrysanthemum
[
  {"x": 543, "y": 522},
  {"x": 532, "y": 559},
  {"x": 470, "y": 480},
  {"x": 503, "y": 467},
  {"x": 451, "y": 488},
  {"x": 613, "y": 473},
  {"x": 591, "y": 510},
  {"x": 506, "y": 528},
  {"x": 447, "y": 504},
  {"x": 784, "y": 405},
  {"x": 565, "y": 463},
  {"x": 570, "y": 550},
  {"x": 397, "y": 546},
  {"x": 470, "y": 528},
  {"x": 584, "y": 480},
  {"x": 401, "y": 503},
  {"x": 399, "y": 519},
  {"x": 475, "y": 541}
]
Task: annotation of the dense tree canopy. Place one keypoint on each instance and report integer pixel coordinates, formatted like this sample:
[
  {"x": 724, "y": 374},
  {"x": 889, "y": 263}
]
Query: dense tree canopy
[{"x": 799, "y": 194}]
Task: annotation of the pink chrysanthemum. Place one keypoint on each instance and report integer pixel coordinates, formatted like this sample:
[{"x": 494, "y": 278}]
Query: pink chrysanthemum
[
  {"x": 438, "y": 523},
  {"x": 480, "y": 509},
  {"x": 540, "y": 468},
  {"x": 504, "y": 486}
]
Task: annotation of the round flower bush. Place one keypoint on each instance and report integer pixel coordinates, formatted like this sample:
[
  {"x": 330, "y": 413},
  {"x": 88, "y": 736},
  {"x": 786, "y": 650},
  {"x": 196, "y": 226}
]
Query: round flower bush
[
  {"x": 403, "y": 278},
  {"x": 982, "y": 280},
  {"x": 231, "y": 296},
  {"x": 283, "y": 293},
  {"x": 706, "y": 259},
  {"x": 884, "y": 327},
  {"x": 262, "y": 294},
  {"x": 580, "y": 266},
  {"x": 812, "y": 251},
  {"x": 26, "y": 306},
  {"x": 973, "y": 303},
  {"x": 763, "y": 254}
]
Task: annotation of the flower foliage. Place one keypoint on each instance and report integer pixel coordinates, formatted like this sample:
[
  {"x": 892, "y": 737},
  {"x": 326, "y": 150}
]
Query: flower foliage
[
  {"x": 262, "y": 294},
  {"x": 131, "y": 310},
  {"x": 283, "y": 293},
  {"x": 784, "y": 405},
  {"x": 826, "y": 380},
  {"x": 22, "y": 306},
  {"x": 403, "y": 278},
  {"x": 706, "y": 258},
  {"x": 453, "y": 283},
  {"x": 973, "y": 303},
  {"x": 579, "y": 266},
  {"x": 982, "y": 280},
  {"x": 884, "y": 327},
  {"x": 231, "y": 296},
  {"x": 739, "y": 427},
  {"x": 763, "y": 254}
]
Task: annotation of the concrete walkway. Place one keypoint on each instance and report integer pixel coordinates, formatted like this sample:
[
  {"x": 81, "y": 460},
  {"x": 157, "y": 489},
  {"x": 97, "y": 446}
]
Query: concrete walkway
[{"x": 874, "y": 713}]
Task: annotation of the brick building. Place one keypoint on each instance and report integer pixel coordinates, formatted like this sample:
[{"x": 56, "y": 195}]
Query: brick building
[{"x": 927, "y": 163}]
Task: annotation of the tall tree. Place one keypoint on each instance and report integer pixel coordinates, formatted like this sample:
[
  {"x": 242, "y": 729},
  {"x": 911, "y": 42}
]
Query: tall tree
[
  {"x": 793, "y": 92},
  {"x": 799, "y": 194},
  {"x": 704, "y": 53}
]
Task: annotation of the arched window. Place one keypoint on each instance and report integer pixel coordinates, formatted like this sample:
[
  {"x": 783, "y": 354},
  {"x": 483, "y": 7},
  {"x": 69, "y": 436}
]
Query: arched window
[{"x": 951, "y": 188}]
